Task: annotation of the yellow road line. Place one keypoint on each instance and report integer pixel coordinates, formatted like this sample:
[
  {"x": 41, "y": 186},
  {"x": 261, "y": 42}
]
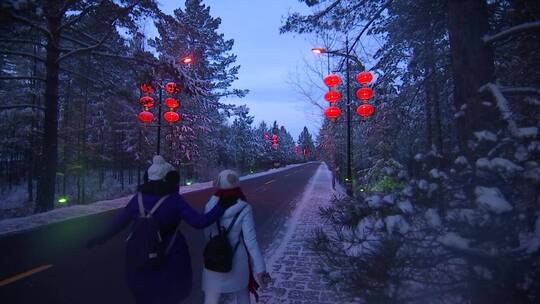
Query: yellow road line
[
  {"x": 269, "y": 182},
  {"x": 24, "y": 275}
]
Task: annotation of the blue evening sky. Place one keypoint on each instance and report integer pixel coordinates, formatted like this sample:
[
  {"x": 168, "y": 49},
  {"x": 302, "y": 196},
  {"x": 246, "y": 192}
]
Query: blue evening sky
[{"x": 268, "y": 60}]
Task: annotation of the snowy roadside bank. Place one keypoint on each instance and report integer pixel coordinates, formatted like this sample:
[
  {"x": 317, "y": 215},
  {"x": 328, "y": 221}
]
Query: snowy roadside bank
[
  {"x": 291, "y": 264},
  {"x": 13, "y": 225}
]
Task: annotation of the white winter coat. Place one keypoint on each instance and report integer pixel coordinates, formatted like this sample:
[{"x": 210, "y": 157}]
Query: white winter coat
[{"x": 238, "y": 278}]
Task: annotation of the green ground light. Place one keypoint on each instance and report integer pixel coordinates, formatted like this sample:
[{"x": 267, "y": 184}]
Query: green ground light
[
  {"x": 188, "y": 183},
  {"x": 63, "y": 200}
]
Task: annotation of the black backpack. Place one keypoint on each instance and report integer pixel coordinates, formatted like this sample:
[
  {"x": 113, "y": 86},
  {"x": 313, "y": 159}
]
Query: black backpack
[
  {"x": 218, "y": 253},
  {"x": 144, "y": 243}
]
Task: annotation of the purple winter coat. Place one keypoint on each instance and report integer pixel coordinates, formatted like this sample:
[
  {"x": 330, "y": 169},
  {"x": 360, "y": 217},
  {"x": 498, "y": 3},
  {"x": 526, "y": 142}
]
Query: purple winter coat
[{"x": 170, "y": 283}]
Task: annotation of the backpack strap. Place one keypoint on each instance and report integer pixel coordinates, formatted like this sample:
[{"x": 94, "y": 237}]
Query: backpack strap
[
  {"x": 141, "y": 207},
  {"x": 234, "y": 220},
  {"x": 173, "y": 239},
  {"x": 156, "y": 206}
]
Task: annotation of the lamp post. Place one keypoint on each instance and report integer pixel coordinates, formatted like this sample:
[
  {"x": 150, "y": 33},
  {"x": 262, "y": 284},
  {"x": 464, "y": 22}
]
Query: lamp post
[
  {"x": 333, "y": 114},
  {"x": 172, "y": 103},
  {"x": 148, "y": 102}
]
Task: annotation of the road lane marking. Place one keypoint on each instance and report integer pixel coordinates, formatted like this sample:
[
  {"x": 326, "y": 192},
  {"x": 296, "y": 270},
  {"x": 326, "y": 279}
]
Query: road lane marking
[
  {"x": 269, "y": 182},
  {"x": 24, "y": 274}
]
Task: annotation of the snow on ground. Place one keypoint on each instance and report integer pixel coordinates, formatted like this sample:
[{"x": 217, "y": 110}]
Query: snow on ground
[
  {"x": 291, "y": 264},
  {"x": 13, "y": 225}
]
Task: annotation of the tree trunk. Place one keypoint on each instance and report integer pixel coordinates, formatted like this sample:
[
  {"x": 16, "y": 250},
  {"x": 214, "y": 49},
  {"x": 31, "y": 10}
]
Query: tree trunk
[
  {"x": 433, "y": 115},
  {"x": 47, "y": 178},
  {"x": 65, "y": 148},
  {"x": 472, "y": 64},
  {"x": 84, "y": 162}
]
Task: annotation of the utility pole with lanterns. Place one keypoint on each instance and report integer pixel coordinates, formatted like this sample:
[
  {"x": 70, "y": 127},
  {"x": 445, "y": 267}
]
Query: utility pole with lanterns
[{"x": 364, "y": 93}]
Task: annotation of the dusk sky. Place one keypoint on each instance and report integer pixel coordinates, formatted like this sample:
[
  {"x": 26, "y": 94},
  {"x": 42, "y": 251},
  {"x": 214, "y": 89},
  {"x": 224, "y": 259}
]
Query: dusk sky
[{"x": 268, "y": 60}]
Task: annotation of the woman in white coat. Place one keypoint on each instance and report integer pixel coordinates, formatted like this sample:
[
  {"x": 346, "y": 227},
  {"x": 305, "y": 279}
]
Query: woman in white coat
[{"x": 242, "y": 233}]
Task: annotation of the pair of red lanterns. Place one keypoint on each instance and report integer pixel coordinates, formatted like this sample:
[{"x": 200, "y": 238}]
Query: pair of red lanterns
[
  {"x": 148, "y": 102},
  {"x": 274, "y": 141},
  {"x": 364, "y": 93}
]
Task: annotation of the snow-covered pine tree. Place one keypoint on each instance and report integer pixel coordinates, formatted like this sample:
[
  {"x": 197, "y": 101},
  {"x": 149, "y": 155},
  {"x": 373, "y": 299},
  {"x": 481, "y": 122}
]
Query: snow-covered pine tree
[
  {"x": 194, "y": 32},
  {"x": 306, "y": 144}
]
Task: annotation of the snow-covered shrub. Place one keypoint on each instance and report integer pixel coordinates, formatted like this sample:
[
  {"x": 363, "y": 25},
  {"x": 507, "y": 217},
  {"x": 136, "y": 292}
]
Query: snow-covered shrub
[{"x": 466, "y": 232}]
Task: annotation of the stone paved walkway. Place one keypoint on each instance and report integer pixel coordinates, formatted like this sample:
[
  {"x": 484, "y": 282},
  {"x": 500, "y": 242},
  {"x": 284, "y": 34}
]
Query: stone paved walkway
[{"x": 293, "y": 266}]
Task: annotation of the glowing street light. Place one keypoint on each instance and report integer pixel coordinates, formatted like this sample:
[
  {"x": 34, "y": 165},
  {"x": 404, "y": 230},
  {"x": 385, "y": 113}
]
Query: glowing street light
[
  {"x": 318, "y": 50},
  {"x": 186, "y": 59}
]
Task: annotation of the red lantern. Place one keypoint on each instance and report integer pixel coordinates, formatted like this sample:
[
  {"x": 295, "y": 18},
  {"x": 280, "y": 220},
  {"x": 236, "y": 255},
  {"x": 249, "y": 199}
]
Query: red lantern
[
  {"x": 171, "y": 116},
  {"x": 332, "y": 112},
  {"x": 171, "y": 103},
  {"x": 274, "y": 139},
  {"x": 364, "y": 78},
  {"x": 147, "y": 101},
  {"x": 332, "y": 96},
  {"x": 146, "y": 116},
  {"x": 170, "y": 87},
  {"x": 365, "y": 110},
  {"x": 146, "y": 88},
  {"x": 364, "y": 93},
  {"x": 332, "y": 80}
]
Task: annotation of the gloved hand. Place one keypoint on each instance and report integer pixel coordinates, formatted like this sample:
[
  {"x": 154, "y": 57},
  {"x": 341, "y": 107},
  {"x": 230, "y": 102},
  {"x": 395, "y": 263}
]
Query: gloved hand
[{"x": 264, "y": 279}]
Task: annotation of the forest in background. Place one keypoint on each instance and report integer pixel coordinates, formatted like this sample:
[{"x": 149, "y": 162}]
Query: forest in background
[
  {"x": 70, "y": 73},
  {"x": 446, "y": 173}
]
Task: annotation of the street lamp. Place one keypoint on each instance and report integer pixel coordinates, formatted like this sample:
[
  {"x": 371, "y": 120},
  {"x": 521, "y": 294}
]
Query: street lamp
[
  {"x": 186, "y": 59},
  {"x": 332, "y": 113}
]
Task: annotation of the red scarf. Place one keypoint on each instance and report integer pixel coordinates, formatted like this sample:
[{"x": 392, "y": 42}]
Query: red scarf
[{"x": 231, "y": 193}]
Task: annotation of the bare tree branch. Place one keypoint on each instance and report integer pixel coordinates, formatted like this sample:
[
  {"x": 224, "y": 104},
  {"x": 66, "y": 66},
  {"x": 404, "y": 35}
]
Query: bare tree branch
[
  {"x": 21, "y": 78},
  {"x": 8, "y": 107},
  {"x": 23, "y": 55},
  {"x": 5, "y": 40},
  {"x": 366, "y": 27},
  {"x": 141, "y": 60},
  {"x": 530, "y": 26},
  {"x": 30, "y": 23},
  {"x": 76, "y": 19},
  {"x": 86, "y": 49},
  {"x": 379, "y": 12},
  {"x": 326, "y": 10},
  {"x": 521, "y": 91},
  {"x": 122, "y": 12}
]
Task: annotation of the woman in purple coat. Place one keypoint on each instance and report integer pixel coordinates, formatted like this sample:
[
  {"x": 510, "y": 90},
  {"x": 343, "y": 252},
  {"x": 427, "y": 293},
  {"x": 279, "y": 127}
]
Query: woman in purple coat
[{"x": 170, "y": 282}]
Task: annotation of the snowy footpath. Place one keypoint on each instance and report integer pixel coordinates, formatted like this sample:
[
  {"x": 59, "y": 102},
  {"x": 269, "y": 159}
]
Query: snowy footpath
[
  {"x": 13, "y": 225},
  {"x": 291, "y": 264}
]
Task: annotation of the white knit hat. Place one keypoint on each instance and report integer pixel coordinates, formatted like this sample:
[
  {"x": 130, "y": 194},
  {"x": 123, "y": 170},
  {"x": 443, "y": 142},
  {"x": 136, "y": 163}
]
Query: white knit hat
[
  {"x": 227, "y": 179},
  {"x": 159, "y": 168}
]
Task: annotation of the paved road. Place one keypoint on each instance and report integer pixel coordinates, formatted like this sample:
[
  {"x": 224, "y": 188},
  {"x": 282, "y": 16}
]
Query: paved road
[{"x": 62, "y": 271}]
